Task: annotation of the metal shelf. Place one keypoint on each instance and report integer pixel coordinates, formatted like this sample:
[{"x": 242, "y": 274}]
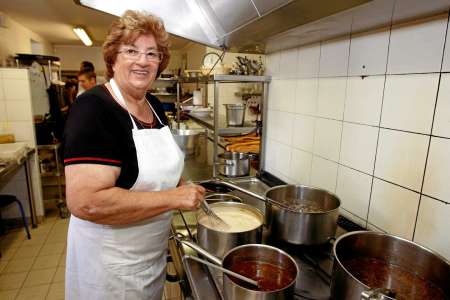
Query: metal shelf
[
  {"x": 208, "y": 122},
  {"x": 227, "y": 78},
  {"x": 164, "y": 94}
]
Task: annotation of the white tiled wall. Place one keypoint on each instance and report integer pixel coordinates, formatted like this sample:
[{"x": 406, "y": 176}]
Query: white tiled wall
[
  {"x": 369, "y": 121},
  {"x": 16, "y": 117}
]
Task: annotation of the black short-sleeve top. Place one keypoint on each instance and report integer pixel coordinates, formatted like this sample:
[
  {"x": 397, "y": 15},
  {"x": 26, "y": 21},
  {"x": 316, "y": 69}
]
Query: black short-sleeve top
[{"x": 99, "y": 131}]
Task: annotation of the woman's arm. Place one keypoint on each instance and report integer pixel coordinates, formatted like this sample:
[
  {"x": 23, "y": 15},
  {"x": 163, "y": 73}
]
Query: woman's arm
[{"x": 91, "y": 195}]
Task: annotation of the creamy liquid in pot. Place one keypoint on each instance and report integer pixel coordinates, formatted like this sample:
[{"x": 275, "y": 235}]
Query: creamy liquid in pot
[{"x": 237, "y": 219}]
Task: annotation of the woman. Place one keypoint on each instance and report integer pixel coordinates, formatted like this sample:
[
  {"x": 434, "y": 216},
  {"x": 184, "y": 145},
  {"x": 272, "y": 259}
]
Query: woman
[{"x": 123, "y": 171}]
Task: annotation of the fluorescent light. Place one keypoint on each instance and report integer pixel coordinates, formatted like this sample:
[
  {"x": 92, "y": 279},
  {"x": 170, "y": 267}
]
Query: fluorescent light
[{"x": 82, "y": 35}]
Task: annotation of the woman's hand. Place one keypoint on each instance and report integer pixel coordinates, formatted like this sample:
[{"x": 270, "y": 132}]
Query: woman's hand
[{"x": 188, "y": 196}]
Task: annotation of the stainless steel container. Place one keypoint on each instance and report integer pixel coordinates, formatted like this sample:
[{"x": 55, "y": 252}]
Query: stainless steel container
[
  {"x": 219, "y": 242},
  {"x": 315, "y": 221},
  {"x": 235, "y": 114},
  {"x": 187, "y": 139},
  {"x": 257, "y": 253},
  {"x": 395, "y": 251},
  {"x": 222, "y": 197},
  {"x": 234, "y": 164}
]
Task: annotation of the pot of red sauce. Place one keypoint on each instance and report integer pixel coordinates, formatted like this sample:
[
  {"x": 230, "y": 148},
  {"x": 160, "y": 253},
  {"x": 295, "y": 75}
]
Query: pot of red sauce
[
  {"x": 373, "y": 265},
  {"x": 273, "y": 269}
]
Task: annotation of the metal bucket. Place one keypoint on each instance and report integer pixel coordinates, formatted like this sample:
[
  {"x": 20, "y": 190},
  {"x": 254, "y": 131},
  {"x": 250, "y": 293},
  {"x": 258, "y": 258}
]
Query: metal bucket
[
  {"x": 187, "y": 139},
  {"x": 235, "y": 114}
]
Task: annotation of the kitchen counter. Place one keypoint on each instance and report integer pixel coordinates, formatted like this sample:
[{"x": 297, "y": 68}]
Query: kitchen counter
[{"x": 10, "y": 167}]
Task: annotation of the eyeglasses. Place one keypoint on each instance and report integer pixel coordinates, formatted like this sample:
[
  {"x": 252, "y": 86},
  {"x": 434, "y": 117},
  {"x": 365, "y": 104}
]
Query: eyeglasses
[{"x": 151, "y": 55}]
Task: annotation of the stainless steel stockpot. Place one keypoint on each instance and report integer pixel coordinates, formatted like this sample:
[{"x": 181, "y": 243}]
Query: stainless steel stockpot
[
  {"x": 402, "y": 260},
  {"x": 233, "y": 164},
  {"x": 219, "y": 242}
]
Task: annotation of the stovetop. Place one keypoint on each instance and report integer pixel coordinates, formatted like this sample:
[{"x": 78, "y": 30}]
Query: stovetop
[{"x": 315, "y": 262}]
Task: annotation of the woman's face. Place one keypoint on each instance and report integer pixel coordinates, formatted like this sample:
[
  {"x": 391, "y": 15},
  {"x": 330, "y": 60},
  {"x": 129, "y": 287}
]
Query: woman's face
[{"x": 136, "y": 73}]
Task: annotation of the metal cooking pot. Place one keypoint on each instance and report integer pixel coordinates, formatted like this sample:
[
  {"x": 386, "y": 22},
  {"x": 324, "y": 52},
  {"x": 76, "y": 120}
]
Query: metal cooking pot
[
  {"x": 222, "y": 197},
  {"x": 187, "y": 139},
  {"x": 403, "y": 268},
  {"x": 235, "y": 114},
  {"x": 219, "y": 242},
  {"x": 306, "y": 216},
  {"x": 234, "y": 164},
  {"x": 260, "y": 255}
]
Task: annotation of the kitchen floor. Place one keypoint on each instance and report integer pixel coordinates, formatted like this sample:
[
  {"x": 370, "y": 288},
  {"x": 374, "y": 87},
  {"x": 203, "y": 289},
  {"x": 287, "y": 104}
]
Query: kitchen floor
[{"x": 34, "y": 269}]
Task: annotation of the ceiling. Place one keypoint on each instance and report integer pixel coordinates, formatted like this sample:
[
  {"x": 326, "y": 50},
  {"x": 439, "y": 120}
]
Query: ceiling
[{"x": 54, "y": 19}]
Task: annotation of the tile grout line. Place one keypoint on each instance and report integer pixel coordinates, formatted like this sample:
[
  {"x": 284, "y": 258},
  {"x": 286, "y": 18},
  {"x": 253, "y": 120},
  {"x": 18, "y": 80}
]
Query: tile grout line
[
  {"x": 431, "y": 131},
  {"x": 379, "y": 120}
]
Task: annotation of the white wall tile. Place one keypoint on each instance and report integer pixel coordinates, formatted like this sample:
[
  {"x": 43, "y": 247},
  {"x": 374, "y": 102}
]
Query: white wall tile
[
  {"x": 401, "y": 158},
  {"x": 19, "y": 111},
  {"x": 300, "y": 170},
  {"x": 280, "y": 126},
  {"x": 308, "y": 61},
  {"x": 289, "y": 63},
  {"x": 331, "y": 97},
  {"x": 417, "y": 47},
  {"x": 306, "y": 96},
  {"x": 287, "y": 95},
  {"x": 446, "y": 61},
  {"x": 282, "y": 158},
  {"x": 393, "y": 208},
  {"x": 273, "y": 64},
  {"x": 409, "y": 102},
  {"x": 437, "y": 177},
  {"x": 269, "y": 157},
  {"x": 323, "y": 174},
  {"x": 303, "y": 132},
  {"x": 441, "y": 125},
  {"x": 2, "y": 94},
  {"x": 23, "y": 131},
  {"x": 368, "y": 53},
  {"x": 433, "y": 226},
  {"x": 13, "y": 73},
  {"x": 16, "y": 89},
  {"x": 364, "y": 98},
  {"x": 353, "y": 189},
  {"x": 3, "y": 116},
  {"x": 275, "y": 93},
  {"x": 359, "y": 144},
  {"x": 327, "y": 138},
  {"x": 334, "y": 57}
]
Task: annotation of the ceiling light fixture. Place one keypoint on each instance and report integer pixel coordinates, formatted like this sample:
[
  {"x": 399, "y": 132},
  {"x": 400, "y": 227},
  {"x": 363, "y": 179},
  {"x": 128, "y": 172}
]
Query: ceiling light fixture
[{"x": 82, "y": 35}]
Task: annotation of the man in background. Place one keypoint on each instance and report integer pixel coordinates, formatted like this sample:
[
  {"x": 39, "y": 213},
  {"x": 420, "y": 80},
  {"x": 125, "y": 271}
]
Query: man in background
[{"x": 87, "y": 79}]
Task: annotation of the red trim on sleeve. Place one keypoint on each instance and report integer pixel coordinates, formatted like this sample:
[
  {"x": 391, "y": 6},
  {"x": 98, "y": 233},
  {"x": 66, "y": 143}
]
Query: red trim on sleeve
[{"x": 68, "y": 160}]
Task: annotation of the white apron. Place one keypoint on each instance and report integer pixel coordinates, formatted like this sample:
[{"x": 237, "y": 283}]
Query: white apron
[{"x": 129, "y": 261}]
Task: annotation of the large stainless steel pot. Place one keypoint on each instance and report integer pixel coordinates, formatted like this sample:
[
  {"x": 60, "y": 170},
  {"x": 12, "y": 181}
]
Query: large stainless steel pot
[
  {"x": 218, "y": 242},
  {"x": 306, "y": 215},
  {"x": 402, "y": 267},
  {"x": 234, "y": 164},
  {"x": 235, "y": 114},
  {"x": 288, "y": 217},
  {"x": 257, "y": 253}
]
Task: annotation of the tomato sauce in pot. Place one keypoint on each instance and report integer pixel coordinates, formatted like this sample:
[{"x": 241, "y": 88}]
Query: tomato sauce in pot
[
  {"x": 270, "y": 277},
  {"x": 405, "y": 285}
]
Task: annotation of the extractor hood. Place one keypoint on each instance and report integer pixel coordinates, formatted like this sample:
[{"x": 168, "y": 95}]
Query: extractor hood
[{"x": 264, "y": 26}]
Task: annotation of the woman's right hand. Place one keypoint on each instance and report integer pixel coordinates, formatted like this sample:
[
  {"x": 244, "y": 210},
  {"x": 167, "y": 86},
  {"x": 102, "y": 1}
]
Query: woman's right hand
[{"x": 189, "y": 196}]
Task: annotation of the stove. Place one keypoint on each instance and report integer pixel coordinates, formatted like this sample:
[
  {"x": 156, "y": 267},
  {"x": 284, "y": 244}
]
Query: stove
[{"x": 315, "y": 262}]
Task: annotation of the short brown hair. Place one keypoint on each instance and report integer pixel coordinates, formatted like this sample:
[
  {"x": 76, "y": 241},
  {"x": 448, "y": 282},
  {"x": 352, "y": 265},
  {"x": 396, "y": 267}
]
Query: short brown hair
[
  {"x": 127, "y": 29},
  {"x": 88, "y": 74}
]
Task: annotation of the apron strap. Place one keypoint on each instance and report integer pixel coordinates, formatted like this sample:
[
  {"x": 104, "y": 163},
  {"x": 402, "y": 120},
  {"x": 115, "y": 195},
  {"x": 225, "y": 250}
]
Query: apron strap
[{"x": 122, "y": 101}]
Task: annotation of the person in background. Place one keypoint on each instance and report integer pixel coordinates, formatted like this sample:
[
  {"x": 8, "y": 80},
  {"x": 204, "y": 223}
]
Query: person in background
[
  {"x": 87, "y": 79},
  {"x": 123, "y": 171},
  {"x": 85, "y": 66}
]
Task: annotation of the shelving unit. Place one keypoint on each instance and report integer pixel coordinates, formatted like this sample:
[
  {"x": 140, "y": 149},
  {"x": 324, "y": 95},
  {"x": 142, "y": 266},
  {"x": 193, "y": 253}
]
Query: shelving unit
[
  {"x": 215, "y": 123},
  {"x": 52, "y": 174}
]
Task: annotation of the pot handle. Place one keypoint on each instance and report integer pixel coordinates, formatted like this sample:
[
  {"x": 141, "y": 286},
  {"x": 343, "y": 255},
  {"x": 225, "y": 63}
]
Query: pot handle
[
  {"x": 199, "y": 250},
  {"x": 377, "y": 294},
  {"x": 230, "y": 164}
]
